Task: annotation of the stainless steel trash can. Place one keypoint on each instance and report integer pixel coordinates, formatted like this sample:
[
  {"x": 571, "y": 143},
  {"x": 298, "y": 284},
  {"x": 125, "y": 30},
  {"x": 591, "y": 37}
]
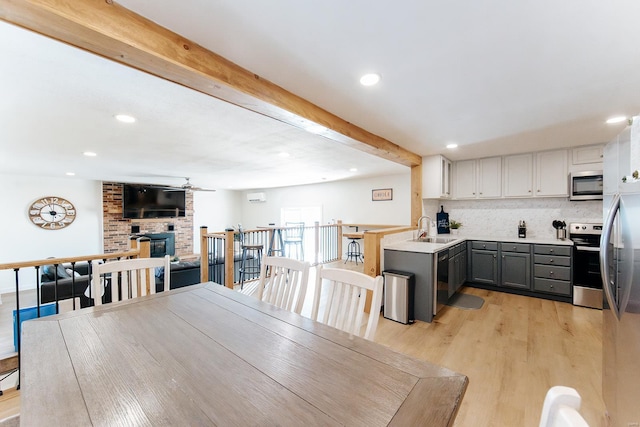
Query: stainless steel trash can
[{"x": 399, "y": 289}]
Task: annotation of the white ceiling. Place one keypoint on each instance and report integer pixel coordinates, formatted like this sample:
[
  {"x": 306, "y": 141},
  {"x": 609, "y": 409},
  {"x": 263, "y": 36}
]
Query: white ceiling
[{"x": 496, "y": 77}]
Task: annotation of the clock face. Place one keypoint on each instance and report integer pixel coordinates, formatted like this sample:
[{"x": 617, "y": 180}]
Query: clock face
[{"x": 52, "y": 213}]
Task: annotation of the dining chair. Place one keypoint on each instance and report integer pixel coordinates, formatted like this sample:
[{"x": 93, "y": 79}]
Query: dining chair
[
  {"x": 294, "y": 235},
  {"x": 128, "y": 278},
  {"x": 345, "y": 300},
  {"x": 560, "y": 408},
  {"x": 283, "y": 282}
]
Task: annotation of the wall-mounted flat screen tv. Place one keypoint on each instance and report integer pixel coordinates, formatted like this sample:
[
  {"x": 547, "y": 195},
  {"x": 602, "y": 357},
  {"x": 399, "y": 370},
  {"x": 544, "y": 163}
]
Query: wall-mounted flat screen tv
[{"x": 141, "y": 201}]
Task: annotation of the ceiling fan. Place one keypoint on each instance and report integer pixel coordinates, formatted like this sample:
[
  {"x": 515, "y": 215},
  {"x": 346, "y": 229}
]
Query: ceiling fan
[{"x": 187, "y": 186}]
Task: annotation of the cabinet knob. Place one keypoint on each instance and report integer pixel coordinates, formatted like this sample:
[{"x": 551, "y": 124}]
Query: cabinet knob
[
  {"x": 484, "y": 246},
  {"x": 529, "y": 191},
  {"x": 551, "y": 273},
  {"x": 550, "y": 286},
  {"x": 538, "y": 190},
  {"x": 514, "y": 248},
  {"x": 494, "y": 257},
  {"x": 551, "y": 251},
  {"x": 551, "y": 261},
  {"x": 502, "y": 256},
  {"x": 481, "y": 192}
]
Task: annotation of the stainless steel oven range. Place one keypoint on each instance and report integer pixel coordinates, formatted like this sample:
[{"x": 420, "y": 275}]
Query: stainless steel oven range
[{"x": 587, "y": 281}]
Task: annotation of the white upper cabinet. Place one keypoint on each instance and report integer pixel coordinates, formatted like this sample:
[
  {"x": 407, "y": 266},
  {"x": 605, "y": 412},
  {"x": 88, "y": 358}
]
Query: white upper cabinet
[
  {"x": 552, "y": 174},
  {"x": 518, "y": 175},
  {"x": 436, "y": 177},
  {"x": 480, "y": 178},
  {"x": 490, "y": 177},
  {"x": 465, "y": 179},
  {"x": 587, "y": 154}
]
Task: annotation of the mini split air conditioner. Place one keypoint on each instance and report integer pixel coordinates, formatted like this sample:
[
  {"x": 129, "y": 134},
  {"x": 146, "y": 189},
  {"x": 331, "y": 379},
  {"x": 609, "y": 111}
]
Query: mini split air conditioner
[{"x": 256, "y": 197}]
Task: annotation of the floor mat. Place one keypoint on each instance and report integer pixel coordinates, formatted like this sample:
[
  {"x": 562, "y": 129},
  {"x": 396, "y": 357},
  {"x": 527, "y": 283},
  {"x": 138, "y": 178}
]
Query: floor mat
[{"x": 466, "y": 301}]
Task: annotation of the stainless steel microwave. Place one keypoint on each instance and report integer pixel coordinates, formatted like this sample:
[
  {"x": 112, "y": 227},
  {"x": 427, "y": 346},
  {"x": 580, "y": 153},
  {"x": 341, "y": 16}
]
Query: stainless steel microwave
[{"x": 585, "y": 185}]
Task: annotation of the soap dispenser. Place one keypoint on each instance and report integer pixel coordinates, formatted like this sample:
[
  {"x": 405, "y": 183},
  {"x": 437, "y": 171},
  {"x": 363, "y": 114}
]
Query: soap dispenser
[{"x": 522, "y": 230}]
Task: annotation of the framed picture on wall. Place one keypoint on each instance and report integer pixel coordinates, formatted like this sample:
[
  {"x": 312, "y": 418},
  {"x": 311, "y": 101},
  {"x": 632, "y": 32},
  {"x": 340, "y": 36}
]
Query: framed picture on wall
[{"x": 382, "y": 194}]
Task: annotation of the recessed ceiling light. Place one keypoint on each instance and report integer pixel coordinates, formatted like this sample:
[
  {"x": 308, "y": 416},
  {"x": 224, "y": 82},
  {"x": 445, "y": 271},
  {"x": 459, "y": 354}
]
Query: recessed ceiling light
[
  {"x": 617, "y": 119},
  {"x": 283, "y": 154},
  {"x": 369, "y": 79},
  {"x": 353, "y": 170},
  {"x": 89, "y": 154},
  {"x": 70, "y": 173},
  {"x": 124, "y": 118},
  {"x": 452, "y": 146}
]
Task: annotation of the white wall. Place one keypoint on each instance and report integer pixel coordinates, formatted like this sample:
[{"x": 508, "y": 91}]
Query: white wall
[
  {"x": 349, "y": 201},
  {"x": 215, "y": 210},
  {"x": 500, "y": 217},
  {"x": 23, "y": 241}
]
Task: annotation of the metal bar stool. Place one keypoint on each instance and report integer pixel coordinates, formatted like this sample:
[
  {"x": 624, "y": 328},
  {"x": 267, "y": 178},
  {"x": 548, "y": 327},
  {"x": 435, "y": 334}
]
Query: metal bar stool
[
  {"x": 294, "y": 235},
  {"x": 250, "y": 266},
  {"x": 353, "y": 248},
  {"x": 276, "y": 244}
]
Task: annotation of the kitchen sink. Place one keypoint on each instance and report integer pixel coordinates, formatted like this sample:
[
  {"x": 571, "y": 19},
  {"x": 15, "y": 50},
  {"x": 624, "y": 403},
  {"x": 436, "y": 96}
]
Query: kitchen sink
[{"x": 435, "y": 239}]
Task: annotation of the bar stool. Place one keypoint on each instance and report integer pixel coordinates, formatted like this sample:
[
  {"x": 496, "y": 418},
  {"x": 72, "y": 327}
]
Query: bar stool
[
  {"x": 353, "y": 248},
  {"x": 294, "y": 235},
  {"x": 248, "y": 265}
]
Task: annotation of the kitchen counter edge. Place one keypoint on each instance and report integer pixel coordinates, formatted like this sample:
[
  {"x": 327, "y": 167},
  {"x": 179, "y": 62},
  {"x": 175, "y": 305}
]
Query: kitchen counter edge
[{"x": 430, "y": 248}]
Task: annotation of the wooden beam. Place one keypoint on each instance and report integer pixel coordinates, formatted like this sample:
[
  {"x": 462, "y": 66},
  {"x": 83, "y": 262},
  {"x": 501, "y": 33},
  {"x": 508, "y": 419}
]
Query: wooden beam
[
  {"x": 109, "y": 30},
  {"x": 416, "y": 193}
]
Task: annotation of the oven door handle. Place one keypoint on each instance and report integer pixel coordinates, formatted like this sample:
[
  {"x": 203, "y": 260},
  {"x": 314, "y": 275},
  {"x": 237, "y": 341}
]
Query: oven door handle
[{"x": 588, "y": 248}]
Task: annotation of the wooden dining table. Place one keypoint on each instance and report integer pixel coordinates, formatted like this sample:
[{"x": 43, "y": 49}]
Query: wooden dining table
[{"x": 207, "y": 355}]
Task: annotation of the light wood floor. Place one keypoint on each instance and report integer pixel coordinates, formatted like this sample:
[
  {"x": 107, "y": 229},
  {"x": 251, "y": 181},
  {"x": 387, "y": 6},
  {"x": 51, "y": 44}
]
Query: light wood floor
[{"x": 513, "y": 350}]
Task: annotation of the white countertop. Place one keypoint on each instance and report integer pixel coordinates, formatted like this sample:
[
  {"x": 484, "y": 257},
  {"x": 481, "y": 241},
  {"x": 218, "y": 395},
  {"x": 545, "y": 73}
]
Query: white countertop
[{"x": 430, "y": 248}]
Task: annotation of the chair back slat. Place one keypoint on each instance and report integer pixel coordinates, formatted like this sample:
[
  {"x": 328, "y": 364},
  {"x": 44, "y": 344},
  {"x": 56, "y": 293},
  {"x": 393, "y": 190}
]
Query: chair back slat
[
  {"x": 283, "y": 282},
  {"x": 129, "y": 278},
  {"x": 344, "y": 307}
]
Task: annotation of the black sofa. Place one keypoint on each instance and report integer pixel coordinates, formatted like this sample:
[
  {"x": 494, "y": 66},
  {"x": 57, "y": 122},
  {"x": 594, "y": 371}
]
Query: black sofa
[
  {"x": 64, "y": 288},
  {"x": 187, "y": 273}
]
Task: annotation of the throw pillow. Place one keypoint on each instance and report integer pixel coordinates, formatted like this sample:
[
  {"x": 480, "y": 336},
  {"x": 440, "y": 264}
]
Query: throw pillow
[{"x": 51, "y": 270}]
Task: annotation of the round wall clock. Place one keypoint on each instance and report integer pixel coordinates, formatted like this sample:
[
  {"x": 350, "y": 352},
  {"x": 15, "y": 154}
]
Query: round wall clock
[{"x": 52, "y": 213}]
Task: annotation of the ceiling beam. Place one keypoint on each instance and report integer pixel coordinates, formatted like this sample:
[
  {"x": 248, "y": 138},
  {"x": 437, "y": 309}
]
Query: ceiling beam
[{"x": 111, "y": 31}]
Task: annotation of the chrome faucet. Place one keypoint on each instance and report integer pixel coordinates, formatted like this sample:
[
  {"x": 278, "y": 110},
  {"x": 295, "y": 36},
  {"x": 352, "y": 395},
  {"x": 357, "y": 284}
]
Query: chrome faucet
[{"x": 423, "y": 232}]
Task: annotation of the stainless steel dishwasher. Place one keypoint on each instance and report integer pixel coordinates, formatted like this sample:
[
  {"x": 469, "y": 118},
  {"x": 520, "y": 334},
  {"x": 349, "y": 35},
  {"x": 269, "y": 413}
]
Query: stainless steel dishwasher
[{"x": 441, "y": 280}]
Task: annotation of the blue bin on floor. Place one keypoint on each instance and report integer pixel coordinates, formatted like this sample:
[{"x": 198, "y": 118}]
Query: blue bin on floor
[{"x": 30, "y": 313}]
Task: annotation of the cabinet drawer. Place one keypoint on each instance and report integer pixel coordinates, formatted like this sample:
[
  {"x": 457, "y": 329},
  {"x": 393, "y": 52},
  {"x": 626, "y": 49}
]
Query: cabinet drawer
[
  {"x": 515, "y": 247},
  {"x": 552, "y": 250},
  {"x": 552, "y": 286},
  {"x": 492, "y": 246},
  {"x": 552, "y": 260},
  {"x": 552, "y": 272}
]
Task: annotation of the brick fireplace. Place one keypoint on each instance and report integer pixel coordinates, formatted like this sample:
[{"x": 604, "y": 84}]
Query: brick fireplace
[{"x": 117, "y": 229}]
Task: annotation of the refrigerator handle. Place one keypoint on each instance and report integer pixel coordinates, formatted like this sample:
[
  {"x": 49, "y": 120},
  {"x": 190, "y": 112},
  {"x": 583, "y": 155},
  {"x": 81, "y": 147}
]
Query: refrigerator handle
[{"x": 604, "y": 254}]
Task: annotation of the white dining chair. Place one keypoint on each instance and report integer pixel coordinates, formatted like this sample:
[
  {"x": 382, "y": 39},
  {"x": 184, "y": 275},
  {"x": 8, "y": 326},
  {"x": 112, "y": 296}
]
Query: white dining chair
[
  {"x": 560, "y": 408},
  {"x": 283, "y": 282},
  {"x": 129, "y": 278},
  {"x": 345, "y": 300}
]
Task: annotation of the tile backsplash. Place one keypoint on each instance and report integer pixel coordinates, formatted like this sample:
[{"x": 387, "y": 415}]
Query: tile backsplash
[{"x": 500, "y": 217}]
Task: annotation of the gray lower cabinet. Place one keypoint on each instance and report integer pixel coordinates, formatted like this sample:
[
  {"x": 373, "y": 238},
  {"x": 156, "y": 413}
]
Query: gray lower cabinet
[
  {"x": 457, "y": 267},
  {"x": 421, "y": 265},
  {"x": 484, "y": 262},
  {"x": 552, "y": 270},
  {"x": 515, "y": 265}
]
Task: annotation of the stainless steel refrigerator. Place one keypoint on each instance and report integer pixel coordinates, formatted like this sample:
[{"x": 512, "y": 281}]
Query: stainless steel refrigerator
[{"x": 620, "y": 267}]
